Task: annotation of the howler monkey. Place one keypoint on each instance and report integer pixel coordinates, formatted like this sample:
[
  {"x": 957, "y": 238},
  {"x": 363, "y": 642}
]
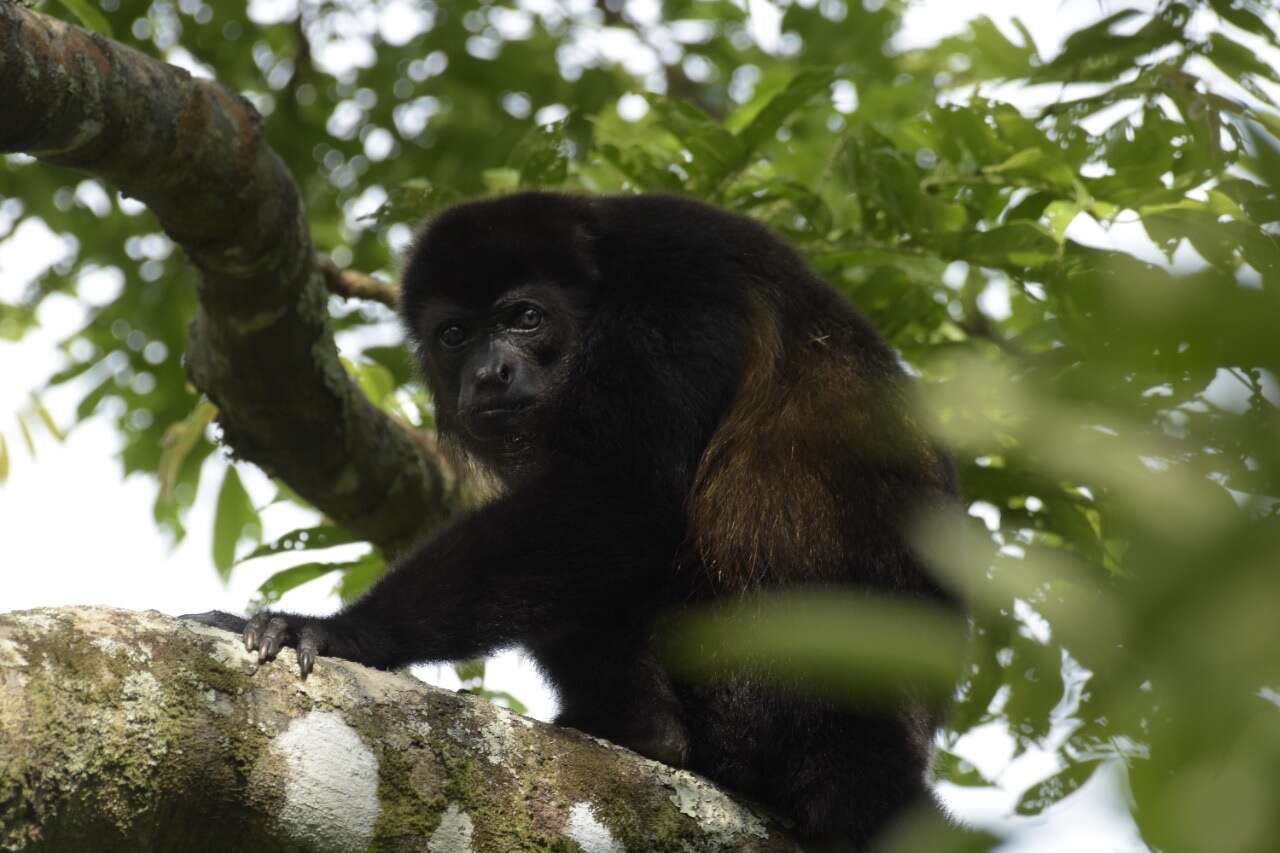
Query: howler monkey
[{"x": 679, "y": 412}]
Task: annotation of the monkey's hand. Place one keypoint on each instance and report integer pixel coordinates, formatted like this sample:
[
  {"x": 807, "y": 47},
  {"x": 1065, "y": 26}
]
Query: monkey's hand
[{"x": 269, "y": 632}]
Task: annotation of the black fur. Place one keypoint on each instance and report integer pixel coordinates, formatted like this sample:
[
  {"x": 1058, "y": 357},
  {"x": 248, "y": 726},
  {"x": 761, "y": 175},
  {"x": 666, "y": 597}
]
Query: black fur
[{"x": 701, "y": 418}]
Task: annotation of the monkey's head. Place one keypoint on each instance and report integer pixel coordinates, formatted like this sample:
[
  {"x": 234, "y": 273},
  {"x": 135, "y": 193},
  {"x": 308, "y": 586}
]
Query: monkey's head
[{"x": 494, "y": 299}]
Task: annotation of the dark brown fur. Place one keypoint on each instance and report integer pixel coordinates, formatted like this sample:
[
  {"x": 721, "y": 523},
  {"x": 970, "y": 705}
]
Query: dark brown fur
[{"x": 710, "y": 421}]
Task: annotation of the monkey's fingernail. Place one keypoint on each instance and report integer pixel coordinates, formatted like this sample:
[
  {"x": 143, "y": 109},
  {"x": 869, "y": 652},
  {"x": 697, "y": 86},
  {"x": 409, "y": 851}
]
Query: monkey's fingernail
[{"x": 250, "y": 640}]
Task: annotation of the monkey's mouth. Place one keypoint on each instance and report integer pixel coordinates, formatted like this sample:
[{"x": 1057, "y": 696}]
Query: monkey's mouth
[
  {"x": 505, "y": 410},
  {"x": 495, "y": 421}
]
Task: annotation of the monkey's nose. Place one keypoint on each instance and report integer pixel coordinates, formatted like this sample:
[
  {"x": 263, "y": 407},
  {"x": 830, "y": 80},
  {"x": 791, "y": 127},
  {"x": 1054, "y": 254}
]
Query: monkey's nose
[{"x": 495, "y": 374}]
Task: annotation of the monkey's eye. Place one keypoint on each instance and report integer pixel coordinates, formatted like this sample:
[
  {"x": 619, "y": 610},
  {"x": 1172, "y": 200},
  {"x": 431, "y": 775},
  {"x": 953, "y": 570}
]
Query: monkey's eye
[
  {"x": 452, "y": 336},
  {"x": 529, "y": 318}
]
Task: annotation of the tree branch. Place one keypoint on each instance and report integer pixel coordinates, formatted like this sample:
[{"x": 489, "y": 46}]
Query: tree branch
[
  {"x": 350, "y": 284},
  {"x": 261, "y": 345},
  {"x": 133, "y": 731}
]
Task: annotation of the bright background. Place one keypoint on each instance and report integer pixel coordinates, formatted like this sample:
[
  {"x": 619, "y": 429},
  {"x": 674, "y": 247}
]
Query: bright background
[{"x": 71, "y": 532}]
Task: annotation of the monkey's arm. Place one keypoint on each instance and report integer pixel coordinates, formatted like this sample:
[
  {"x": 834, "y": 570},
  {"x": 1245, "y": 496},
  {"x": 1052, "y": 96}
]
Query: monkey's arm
[{"x": 554, "y": 552}]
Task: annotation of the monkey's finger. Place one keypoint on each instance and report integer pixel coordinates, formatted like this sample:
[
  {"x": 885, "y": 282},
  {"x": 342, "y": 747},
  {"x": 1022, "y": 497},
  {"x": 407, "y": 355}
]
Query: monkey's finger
[
  {"x": 309, "y": 648},
  {"x": 252, "y": 632},
  {"x": 274, "y": 638}
]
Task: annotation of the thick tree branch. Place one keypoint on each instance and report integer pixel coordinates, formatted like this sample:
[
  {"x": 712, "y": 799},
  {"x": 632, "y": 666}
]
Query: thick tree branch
[
  {"x": 133, "y": 731},
  {"x": 261, "y": 346}
]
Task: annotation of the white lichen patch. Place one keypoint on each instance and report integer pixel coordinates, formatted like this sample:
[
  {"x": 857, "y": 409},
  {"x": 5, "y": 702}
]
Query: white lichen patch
[
  {"x": 488, "y": 729},
  {"x": 592, "y": 835},
  {"x": 330, "y": 783},
  {"x": 40, "y": 621},
  {"x": 716, "y": 814},
  {"x": 497, "y": 739},
  {"x": 142, "y": 687},
  {"x": 453, "y": 835},
  {"x": 11, "y": 653},
  {"x": 399, "y": 687},
  {"x": 135, "y": 653}
]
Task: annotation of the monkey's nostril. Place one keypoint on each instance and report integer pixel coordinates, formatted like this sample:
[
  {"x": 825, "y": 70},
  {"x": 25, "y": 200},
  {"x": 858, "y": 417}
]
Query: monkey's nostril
[{"x": 504, "y": 373}]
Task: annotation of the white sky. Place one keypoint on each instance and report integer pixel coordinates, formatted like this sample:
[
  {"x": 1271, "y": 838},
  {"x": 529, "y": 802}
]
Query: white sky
[{"x": 72, "y": 533}]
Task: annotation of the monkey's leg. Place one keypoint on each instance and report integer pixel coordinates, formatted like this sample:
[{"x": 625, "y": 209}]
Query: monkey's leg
[{"x": 612, "y": 686}]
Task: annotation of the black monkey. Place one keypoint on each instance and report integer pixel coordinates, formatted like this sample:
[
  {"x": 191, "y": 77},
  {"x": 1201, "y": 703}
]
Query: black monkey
[{"x": 678, "y": 412}]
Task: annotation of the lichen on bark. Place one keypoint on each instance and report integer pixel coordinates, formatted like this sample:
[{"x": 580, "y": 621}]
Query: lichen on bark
[{"x": 135, "y": 731}]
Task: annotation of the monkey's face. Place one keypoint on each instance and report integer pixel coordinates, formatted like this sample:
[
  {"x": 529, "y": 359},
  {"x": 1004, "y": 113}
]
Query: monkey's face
[{"x": 498, "y": 370}]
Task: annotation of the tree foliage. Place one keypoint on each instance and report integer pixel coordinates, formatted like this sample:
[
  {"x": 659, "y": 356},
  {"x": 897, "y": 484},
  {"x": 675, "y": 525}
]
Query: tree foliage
[{"x": 1076, "y": 249}]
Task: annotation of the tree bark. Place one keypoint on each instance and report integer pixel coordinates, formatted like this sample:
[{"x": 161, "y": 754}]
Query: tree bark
[
  {"x": 261, "y": 346},
  {"x": 137, "y": 732}
]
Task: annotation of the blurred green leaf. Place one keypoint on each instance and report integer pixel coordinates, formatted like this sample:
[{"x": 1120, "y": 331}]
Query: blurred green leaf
[
  {"x": 359, "y": 575},
  {"x": 542, "y": 156},
  {"x": 234, "y": 519},
  {"x": 1061, "y": 784},
  {"x": 88, "y": 16},
  {"x": 840, "y": 642},
  {"x": 783, "y": 105}
]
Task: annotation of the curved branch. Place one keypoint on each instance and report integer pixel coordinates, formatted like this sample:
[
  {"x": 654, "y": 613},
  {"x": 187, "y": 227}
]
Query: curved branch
[
  {"x": 134, "y": 731},
  {"x": 261, "y": 346}
]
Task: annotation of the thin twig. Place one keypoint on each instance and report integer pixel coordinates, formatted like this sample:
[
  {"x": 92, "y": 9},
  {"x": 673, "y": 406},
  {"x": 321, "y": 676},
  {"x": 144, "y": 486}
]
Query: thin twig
[{"x": 356, "y": 285}]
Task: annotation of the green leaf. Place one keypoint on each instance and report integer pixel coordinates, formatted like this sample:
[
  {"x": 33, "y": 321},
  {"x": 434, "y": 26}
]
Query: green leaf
[
  {"x": 37, "y": 405},
  {"x": 1061, "y": 784},
  {"x": 16, "y": 321},
  {"x": 411, "y": 201},
  {"x": 4, "y": 459},
  {"x": 282, "y": 581},
  {"x": 798, "y": 90},
  {"x": 303, "y": 539},
  {"x": 359, "y": 575},
  {"x": 1060, "y": 215},
  {"x": 1236, "y": 13},
  {"x": 71, "y": 371},
  {"x": 850, "y": 646},
  {"x": 25, "y": 432},
  {"x": 714, "y": 152},
  {"x": 1018, "y": 245},
  {"x": 234, "y": 519},
  {"x": 542, "y": 155},
  {"x": 949, "y": 767},
  {"x": 1235, "y": 59},
  {"x": 374, "y": 380},
  {"x": 501, "y": 180},
  {"x": 501, "y": 697},
  {"x": 178, "y": 442},
  {"x": 89, "y": 402},
  {"x": 1266, "y": 154},
  {"x": 89, "y": 16},
  {"x": 470, "y": 670}
]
